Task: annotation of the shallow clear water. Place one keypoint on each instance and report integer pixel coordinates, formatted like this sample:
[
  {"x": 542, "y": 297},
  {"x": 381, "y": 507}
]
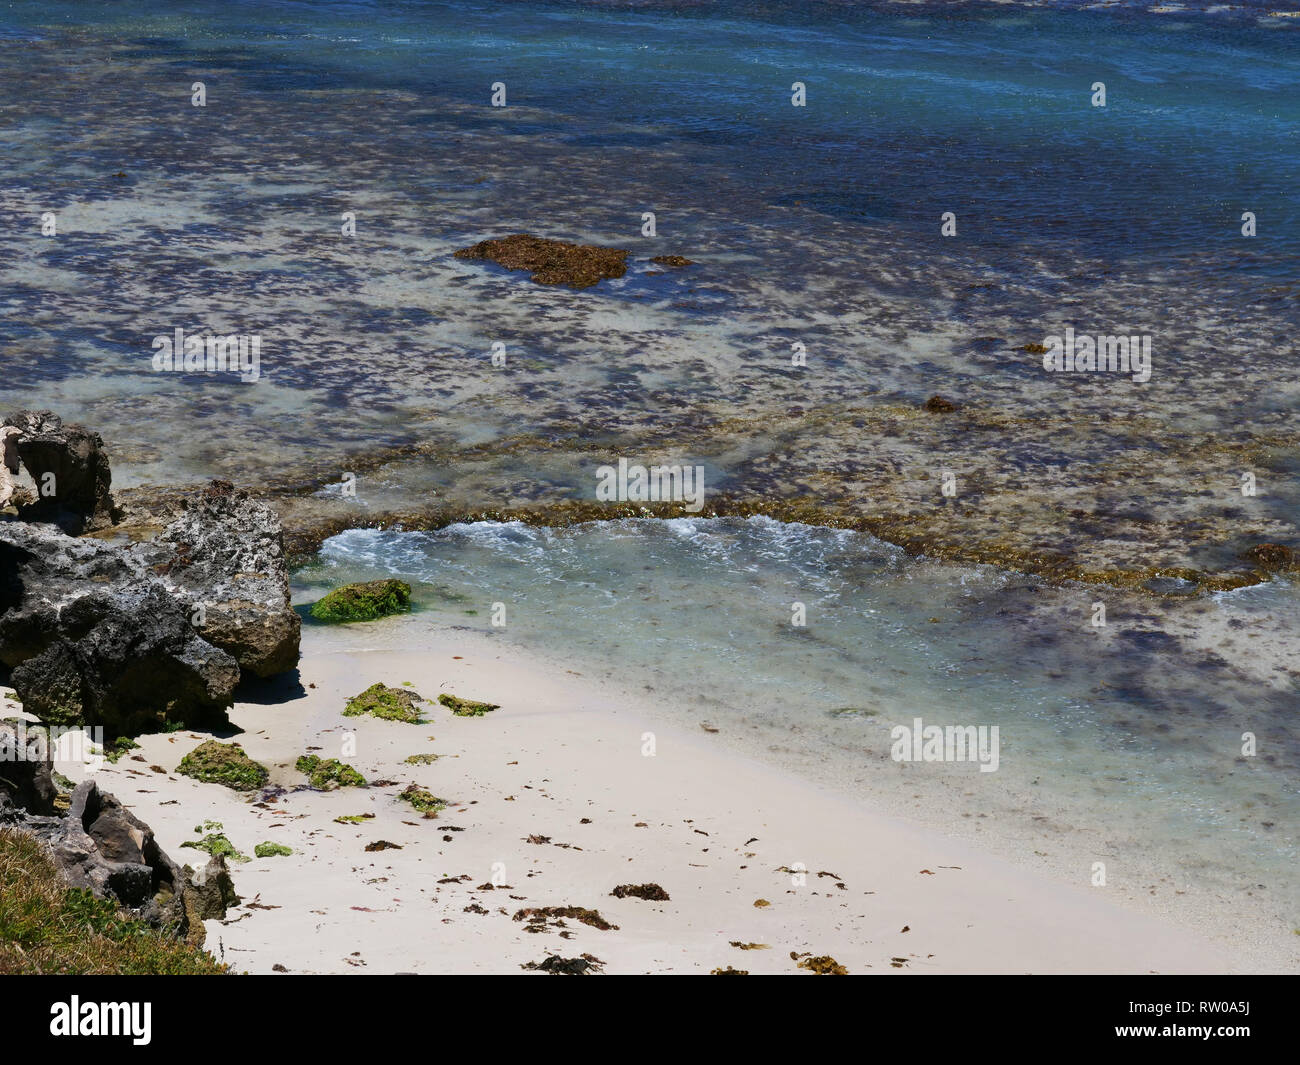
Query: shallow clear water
[{"x": 1140, "y": 735}]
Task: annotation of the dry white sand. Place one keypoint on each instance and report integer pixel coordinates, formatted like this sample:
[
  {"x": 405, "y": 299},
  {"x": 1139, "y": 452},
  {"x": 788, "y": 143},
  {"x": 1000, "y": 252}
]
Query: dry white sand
[{"x": 567, "y": 762}]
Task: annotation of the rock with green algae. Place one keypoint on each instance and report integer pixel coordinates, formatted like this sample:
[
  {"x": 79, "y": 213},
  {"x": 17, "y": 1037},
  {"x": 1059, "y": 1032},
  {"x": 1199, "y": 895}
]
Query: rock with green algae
[
  {"x": 217, "y": 845},
  {"x": 326, "y": 774},
  {"x": 363, "y": 602},
  {"x": 421, "y": 759},
  {"x": 271, "y": 850},
  {"x": 423, "y": 800},
  {"x": 467, "y": 707},
  {"x": 390, "y": 704},
  {"x": 223, "y": 763}
]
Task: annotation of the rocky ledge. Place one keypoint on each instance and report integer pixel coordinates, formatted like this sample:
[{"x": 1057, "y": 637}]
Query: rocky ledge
[{"x": 145, "y": 624}]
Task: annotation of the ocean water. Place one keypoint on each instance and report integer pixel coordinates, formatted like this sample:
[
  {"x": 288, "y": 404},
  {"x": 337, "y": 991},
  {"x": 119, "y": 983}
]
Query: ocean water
[{"x": 818, "y": 225}]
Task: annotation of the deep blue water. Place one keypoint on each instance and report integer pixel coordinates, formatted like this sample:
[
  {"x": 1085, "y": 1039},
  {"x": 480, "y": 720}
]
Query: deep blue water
[{"x": 982, "y": 110}]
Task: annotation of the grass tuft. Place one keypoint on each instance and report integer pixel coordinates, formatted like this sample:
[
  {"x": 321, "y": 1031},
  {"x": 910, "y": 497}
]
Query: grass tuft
[{"x": 49, "y": 928}]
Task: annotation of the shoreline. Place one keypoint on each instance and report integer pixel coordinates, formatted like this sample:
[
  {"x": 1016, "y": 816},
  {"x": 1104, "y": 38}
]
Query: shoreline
[{"x": 718, "y": 828}]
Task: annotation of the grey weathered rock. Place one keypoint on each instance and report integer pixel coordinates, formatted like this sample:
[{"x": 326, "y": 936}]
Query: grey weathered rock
[
  {"x": 26, "y": 777},
  {"x": 223, "y": 555},
  {"x": 8, "y": 463},
  {"x": 69, "y": 462},
  {"x": 212, "y": 891},
  {"x": 156, "y": 629},
  {"x": 94, "y": 639}
]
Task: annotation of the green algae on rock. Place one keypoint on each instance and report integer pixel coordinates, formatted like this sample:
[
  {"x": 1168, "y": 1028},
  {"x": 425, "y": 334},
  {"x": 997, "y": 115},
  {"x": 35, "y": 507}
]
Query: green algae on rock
[
  {"x": 271, "y": 850},
  {"x": 390, "y": 704},
  {"x": 363, "y": 602},
  {"x": 467, "y": 707},
  {"x": 223, "y": 763},
  {"x": 326, "y": 774},
  {"x": 423, "y": 800},
  {"x": 551, "y": 262},
  {"x": 421, "y": 759},
  {"x": 217, "y": 845}
]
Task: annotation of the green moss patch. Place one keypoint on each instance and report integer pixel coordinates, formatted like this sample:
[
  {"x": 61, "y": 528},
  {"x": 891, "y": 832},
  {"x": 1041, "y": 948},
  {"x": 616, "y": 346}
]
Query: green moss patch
[
  {"x": 217, "y": 845},
  {"x": 467, "y": 707},
  {"x": 272, "y": 850},
  {"x": 327, "y": 774},
  {"x": 423, "y": 800},
  {"x": 363, "y": 602},
  {"x": 223, "y": 763},
  {"x": 389, "y": 704},
  {"x": 119, "y": 747}
]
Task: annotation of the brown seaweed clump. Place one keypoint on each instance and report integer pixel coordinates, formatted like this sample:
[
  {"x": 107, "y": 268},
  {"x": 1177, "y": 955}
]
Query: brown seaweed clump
[
  {"x": 673, "y": 260},
  {"x": 649, "y": 892},
  {"x": 937, "y": 404},
  {"x": 539, "y": 916},
  {"x": 551, "y": 262},
  {"x": 1270, "y": 556},
  {"x": 822, "y": 965},
  {"x": 557, "y": 966}
]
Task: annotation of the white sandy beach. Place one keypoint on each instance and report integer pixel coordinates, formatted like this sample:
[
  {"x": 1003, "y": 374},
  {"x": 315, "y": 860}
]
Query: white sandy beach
[{"x": 564, "y": 759}]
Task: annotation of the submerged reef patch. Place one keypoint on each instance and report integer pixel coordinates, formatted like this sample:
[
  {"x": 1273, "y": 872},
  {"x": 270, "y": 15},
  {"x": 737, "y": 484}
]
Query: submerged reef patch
[{"x": 551, "y": 262}]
